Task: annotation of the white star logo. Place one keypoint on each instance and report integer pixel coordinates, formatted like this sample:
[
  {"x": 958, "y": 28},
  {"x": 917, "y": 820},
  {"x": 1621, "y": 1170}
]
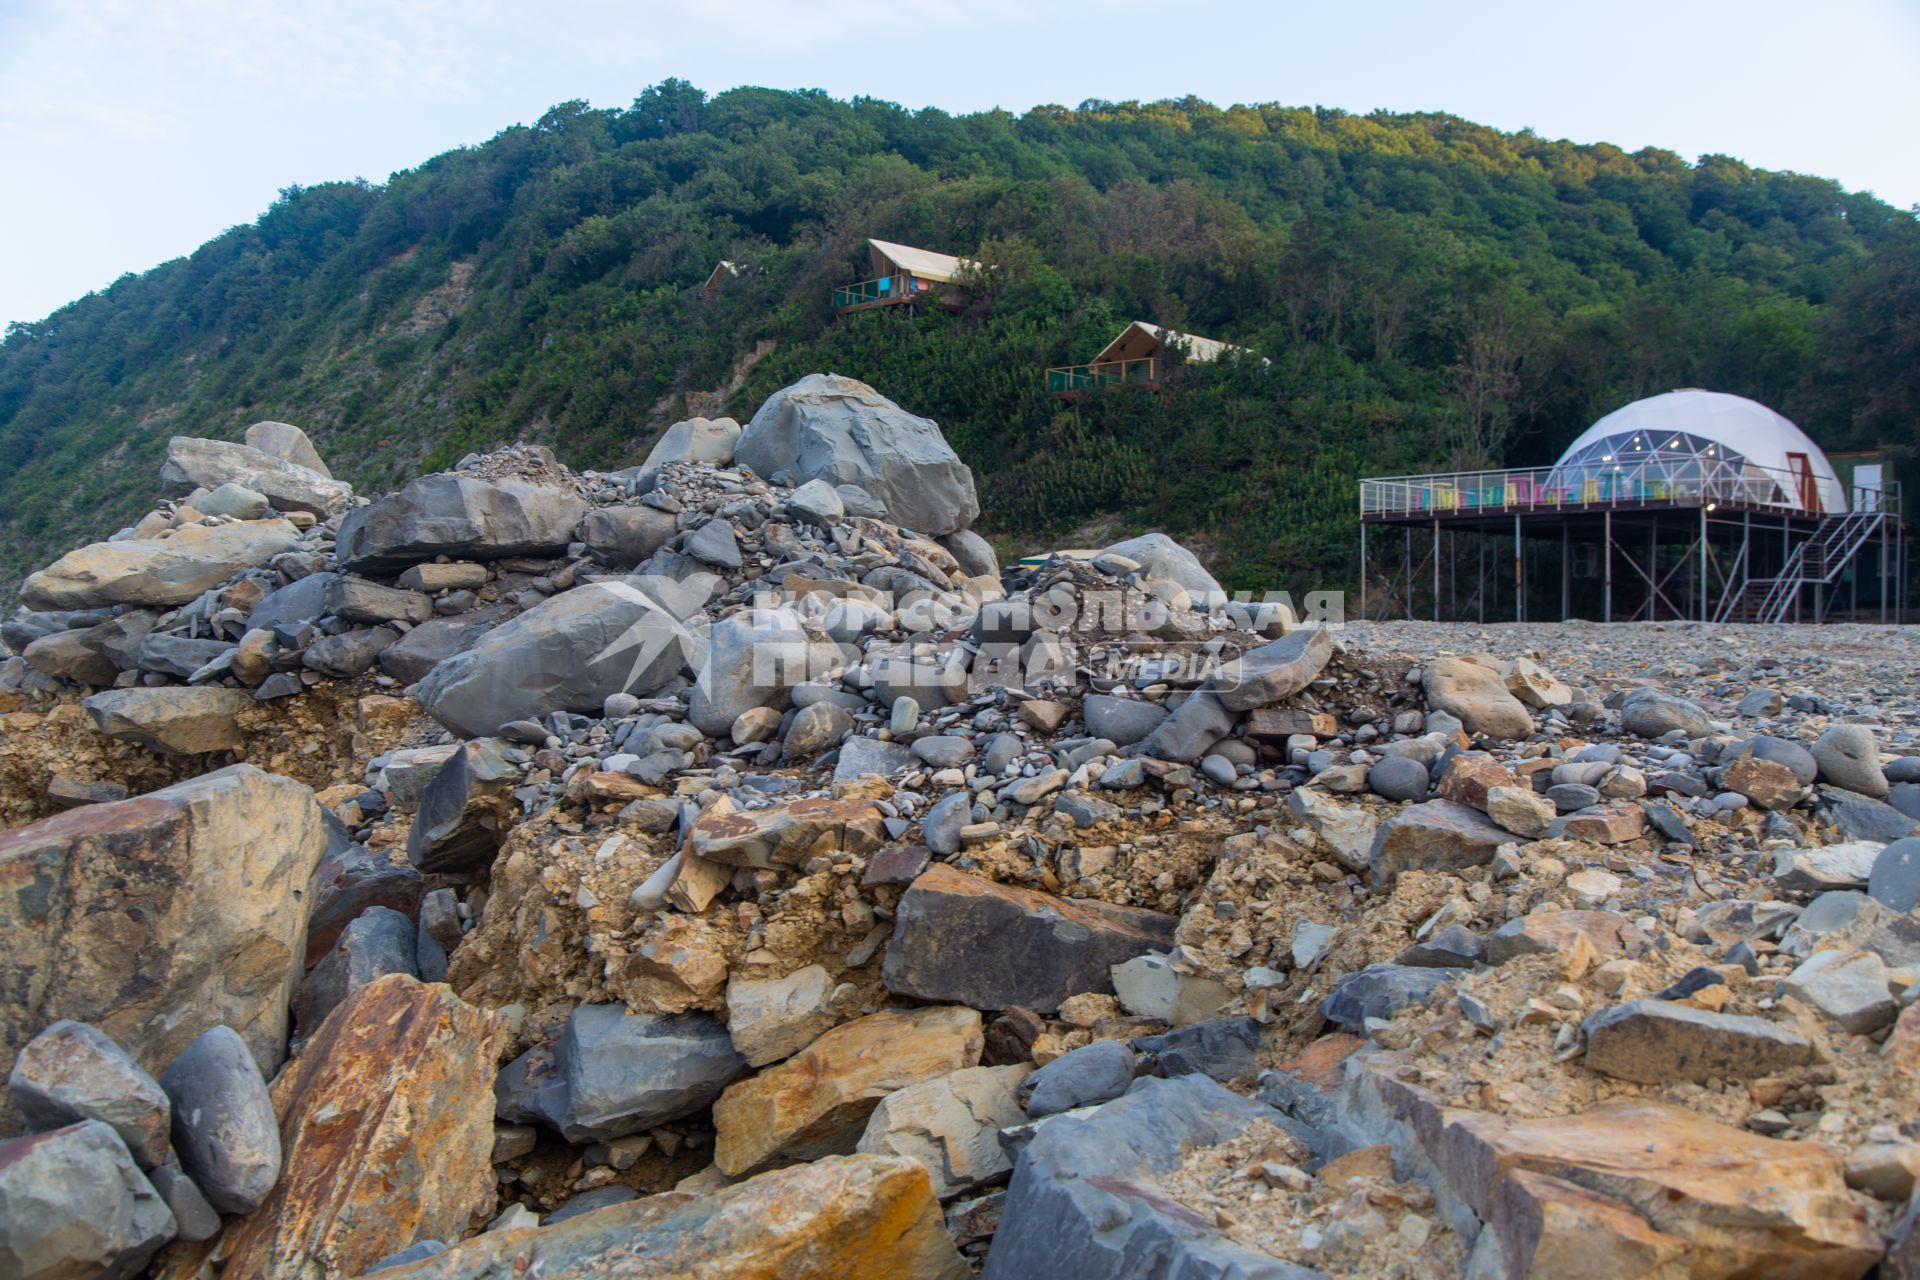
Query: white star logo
[{"x": 665, "y": 604}]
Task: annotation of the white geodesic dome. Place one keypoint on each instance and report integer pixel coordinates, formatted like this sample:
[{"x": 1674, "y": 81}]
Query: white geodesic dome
[{"x": 1694, "y": 437}]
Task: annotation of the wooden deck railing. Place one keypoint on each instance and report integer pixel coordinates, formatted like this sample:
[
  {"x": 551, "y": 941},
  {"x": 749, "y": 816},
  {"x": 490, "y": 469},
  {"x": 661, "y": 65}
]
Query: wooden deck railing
[{"x": 1109, "y": 373}]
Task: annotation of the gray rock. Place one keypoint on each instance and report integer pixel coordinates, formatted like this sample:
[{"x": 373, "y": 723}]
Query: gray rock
[
  {"x": 73, "y": 1204},
  {"x": 171, "y": 720},
  {"x": 1569, "y": 797},
  {"x": 1761, "y": 702},
  {"x": 1860, "y": 817},
  {"x": 932, "y": 685},
  {"x": 1194, "y": 726},
  {"x": 1122, "y": 721},
  {"x": 1086, "y": 810},
  {"x": 1848, "y": 986},
  {"x": 285, "y": 441},
  {"x": 818, "y": 502},
  {"x": 358, "y": 600},
  {"x": 1905, "y": 797},
  {"x": 860, "y": 756},
  {"x": 1824, "y": 867},
  {"x": 833, "y": 428},
  {"x": 1451, "y": 948},
  {"x": 531, "y": 1089},
  {"x": 1380, "y": 991},
  {"x": 72, "y": 655},
  {"x": 1161, "y": 557},
  {"x": 194, "y": 463},
  {"x": 1083, "y": 1205},
  {"x": 465, "y": 811},
  {"x": 1895, "y": 879},
  {"x": 714, "y": 543},
  {"x": 417, "y": 1252},
  {"x": 178, "y": 655},
  {"x": 1220, "y": 1048},
  {"x": 940, "y": 829},
  {"x": 815, "y": 730},
  {"x": 1274, "y": 671},
  {"x": 588, "y": 1201},
  {"x": 1656, "y": 1042},
  {"x": 943, "y": 750},
  {"x": 567, "y": 654},
  {"x": 27, "y": 625},
  {"x": 1902, "y": 769},
  {"x": 1089, "y": 1075},
  {"x": 194, "y": 1219},
  {"x": 458, "y": 515},
  {"x": 973, "y": 553},
  {"x": 625, "y": 1072},
  {"x": 301, "y": 601},
  {"x": 235, "y": 500},
  {"x": 409, "y": 658},
  {"x": 223, "y": 1123},
  {"x": 627, "y": 535},
  {"x": 1848, "y": 757},
  {"x": 695, "y": 440},
  {"x": 752, "y": 657},
  {"x": 1218, "y": 770},
  {"x": 73, "y": 1071},
  {"x": 965, "y": 940},
  {"x": 1649, "y": 713},
  {"x": 1436, "y": 835},
  {"x": 349, "y": 654},
  {"x": 1399, "y": 778},
  {"x": 378, "y": 942}
]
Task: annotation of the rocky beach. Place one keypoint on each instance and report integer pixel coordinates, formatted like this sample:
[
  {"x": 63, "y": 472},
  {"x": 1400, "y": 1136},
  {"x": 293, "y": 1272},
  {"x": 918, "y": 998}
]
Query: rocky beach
[{"x": 725, "y": 866}]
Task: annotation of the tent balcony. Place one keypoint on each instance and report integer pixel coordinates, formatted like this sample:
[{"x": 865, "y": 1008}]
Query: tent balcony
[
  {"x": 1075, "y": 379},
  {"x": 883, "y": 291}
]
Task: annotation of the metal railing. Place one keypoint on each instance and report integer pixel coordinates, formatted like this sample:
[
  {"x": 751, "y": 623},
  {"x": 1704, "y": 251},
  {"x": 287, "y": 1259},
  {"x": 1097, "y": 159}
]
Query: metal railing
[
  {"x": 1819, "y": 561},
  {"x": 893, "y": 288},
  {"x": 1106, "y": 373},
  {"x": 1680, "y": 482}
]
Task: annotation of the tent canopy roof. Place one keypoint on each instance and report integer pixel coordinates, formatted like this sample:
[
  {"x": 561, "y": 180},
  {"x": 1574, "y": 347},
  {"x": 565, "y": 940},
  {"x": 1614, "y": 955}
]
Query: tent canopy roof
[
  {"x": 923, "y": 264},
  {"x": 1142, "y": 340}
]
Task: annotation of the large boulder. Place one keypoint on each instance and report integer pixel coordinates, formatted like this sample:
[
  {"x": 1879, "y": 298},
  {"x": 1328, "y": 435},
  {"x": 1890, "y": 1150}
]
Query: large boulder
[
  {"x": 1475, "y": 692},
  {"x": 695, "y": 440},
  {"x": 386, "y": 1121},
  {"x": 832, "y": 428},
  {"x": 835, "y": 1219},
  {"x": 951, "y": 1124},
  {"x": 819, "y": 1101},
  {"x": 754, "y": 656},
  {"x": 166, "y": 570},
  {"x": 409, "y": 658},
  {"x": 959, "y": 937},
  {"x": 459, "y": 515},
  {"x": 1085, "y": 1203},
  {"x": 194, "y": 463},
  {"x": 72, "y": 1072},
  {"x": 72, "y": 1204},
  {"x": 1161, "y": 557},
  {"x": 1273, "y": 671},
  {"x": 223, "y": 1123},
  {"x": 171, "y": 719},
  {"x": 567, "y": 653},
  {"x": 629, "y": 1072},
  {"x": 285, "y": 441},
  {"x": 159, "y": 917}
]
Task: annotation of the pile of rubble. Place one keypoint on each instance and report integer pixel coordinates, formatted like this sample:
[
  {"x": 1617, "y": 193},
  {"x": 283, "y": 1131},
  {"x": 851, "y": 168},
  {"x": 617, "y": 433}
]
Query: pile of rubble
[{"x": 735, "y": 877}]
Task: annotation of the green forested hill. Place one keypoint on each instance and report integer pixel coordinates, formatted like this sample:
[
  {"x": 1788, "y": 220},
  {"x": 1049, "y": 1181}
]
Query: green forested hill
[{"x": 1425, "y": 291}]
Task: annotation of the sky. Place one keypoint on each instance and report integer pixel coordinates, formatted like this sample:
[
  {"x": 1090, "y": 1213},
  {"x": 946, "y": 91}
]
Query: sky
[{"x": 132, "y": 131}]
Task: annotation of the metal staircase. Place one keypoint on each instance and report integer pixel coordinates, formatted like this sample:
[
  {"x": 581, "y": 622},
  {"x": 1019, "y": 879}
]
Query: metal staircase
[{"x": 1818, "y": 561}]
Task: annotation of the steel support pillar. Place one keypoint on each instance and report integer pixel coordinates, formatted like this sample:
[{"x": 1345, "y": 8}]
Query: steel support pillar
[
  {"x": 1519, "y": 572},
  {"x": 1703, "y": 564},
  {"x": 1436, "y": 568},
  {"x": 1606, "y": 571},
  {"x": 1363, "y": 571}
]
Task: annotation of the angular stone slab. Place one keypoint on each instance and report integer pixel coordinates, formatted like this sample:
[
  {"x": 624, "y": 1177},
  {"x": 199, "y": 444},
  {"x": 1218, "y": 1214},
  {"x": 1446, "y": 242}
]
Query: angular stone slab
[
  {"x": 1655, "y": 1042},
  {"x": 1437, "y": 835},
  {"x": 960, "y": 938}
]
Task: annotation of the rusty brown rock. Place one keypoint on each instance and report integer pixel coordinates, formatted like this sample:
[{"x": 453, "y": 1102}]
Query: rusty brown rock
[
  {"x": 1470, "y": 775},
  {"x": 160, "y": 917},
  {"x": 1608, "y": 824},
  {"x": 387, "y": 1125},
  {"x": 1554, "y": 932},
  {"x": 1551, "y": 1229},
  {"x": 1745, "y": 1205},
  {"x": 841, "y": 1218},
  {"x": 818, "y": 1101},
  {"x": 1767, "y": 783},
  {"x": 785, "y": 835}
]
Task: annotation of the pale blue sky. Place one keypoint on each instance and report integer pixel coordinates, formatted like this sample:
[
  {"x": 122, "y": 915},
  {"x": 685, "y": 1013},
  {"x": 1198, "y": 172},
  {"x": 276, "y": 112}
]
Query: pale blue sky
[{"x": 131, "y": 131}]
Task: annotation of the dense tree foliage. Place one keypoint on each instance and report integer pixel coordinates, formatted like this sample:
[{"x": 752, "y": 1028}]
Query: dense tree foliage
[{"x": 1420, "y": 292}]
